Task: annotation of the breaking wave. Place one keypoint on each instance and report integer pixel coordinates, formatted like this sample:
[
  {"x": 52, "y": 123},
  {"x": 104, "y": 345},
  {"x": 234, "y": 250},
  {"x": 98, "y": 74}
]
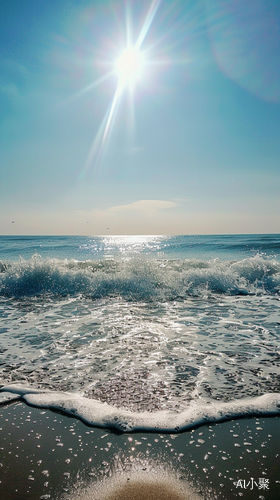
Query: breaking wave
[{"x": 139, "y": 278}]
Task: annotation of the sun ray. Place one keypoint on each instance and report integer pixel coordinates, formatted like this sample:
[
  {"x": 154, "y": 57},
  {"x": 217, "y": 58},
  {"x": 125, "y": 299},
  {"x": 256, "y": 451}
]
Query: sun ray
[
  {"x": 128, "y": 26},
  {"x": 88, "y": 88},
  {"x": 148, "y": 21},
  {"x": 99, "y": 143},
  {"x": 110, "y": 117},
  {"x": 128, "y": 68}
]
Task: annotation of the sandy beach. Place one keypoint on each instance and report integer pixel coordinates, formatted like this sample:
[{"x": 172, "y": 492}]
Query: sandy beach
[{"x": 47, "y": 455}]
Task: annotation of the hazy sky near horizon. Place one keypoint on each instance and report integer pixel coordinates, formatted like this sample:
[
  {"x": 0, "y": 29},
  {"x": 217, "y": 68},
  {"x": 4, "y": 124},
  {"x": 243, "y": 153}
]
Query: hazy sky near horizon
[{"x": 192, "y": 148}]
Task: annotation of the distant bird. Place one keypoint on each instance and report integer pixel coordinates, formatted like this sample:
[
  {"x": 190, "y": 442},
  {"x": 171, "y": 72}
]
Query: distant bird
[
  {"x": 107, "y": 228},
  {"x": 13, "y": 221}
]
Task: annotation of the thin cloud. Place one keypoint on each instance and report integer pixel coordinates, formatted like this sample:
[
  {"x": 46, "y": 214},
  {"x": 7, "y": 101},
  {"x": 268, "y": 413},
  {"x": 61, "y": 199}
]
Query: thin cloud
[{"x": 141, "y": 206}]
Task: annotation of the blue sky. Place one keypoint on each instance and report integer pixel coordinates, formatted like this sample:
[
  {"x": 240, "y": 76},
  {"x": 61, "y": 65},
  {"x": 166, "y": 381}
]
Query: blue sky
[{"x": 193, "y": 148}]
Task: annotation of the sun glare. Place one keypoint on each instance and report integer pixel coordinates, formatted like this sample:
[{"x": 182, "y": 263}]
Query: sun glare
[{"x": 129, "y": 66}]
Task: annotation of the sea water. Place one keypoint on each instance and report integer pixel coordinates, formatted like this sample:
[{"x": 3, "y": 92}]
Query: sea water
[{"x": 142, "y": 332}]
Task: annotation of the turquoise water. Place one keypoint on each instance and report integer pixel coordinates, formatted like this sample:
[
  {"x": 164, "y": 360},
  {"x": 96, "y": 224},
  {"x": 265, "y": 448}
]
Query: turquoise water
[{"x": 180, "y": 247}]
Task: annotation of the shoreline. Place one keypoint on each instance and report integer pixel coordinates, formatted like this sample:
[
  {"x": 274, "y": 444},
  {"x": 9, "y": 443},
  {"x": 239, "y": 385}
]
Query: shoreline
[
  {"x": 48, "y": 455},
  {"x": 106, "y": 416}
]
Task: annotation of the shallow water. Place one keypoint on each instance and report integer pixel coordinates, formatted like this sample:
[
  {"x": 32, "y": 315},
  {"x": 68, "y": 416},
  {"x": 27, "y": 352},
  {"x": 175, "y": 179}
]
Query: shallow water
[{"x": 145, "y": 324}]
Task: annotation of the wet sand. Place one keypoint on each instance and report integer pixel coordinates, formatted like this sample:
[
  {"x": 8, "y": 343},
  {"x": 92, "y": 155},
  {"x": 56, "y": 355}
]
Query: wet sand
[
  {"x": 139, "y": 486},
  {"x": 45, "y": 455}
]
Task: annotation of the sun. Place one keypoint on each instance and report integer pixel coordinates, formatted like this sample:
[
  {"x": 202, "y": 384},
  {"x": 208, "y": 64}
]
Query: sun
[{"x": 129, "y": 66}]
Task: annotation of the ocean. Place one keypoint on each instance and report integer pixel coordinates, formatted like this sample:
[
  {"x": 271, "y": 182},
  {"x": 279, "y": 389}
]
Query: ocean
[{"x": 157, "y": 333}]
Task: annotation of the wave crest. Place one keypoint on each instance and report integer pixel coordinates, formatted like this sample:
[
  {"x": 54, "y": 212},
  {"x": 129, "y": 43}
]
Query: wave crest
[{"x": 139, "y": 278}]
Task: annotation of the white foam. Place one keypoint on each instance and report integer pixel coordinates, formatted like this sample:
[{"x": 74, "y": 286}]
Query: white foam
[
  {"x": 98, "y": 414},
  {"x": 7, "y": 397},
  {"x": 138, "y": 278}
]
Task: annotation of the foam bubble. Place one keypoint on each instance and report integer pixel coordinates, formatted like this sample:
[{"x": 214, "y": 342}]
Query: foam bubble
[{"x": 104, "y": 415}]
